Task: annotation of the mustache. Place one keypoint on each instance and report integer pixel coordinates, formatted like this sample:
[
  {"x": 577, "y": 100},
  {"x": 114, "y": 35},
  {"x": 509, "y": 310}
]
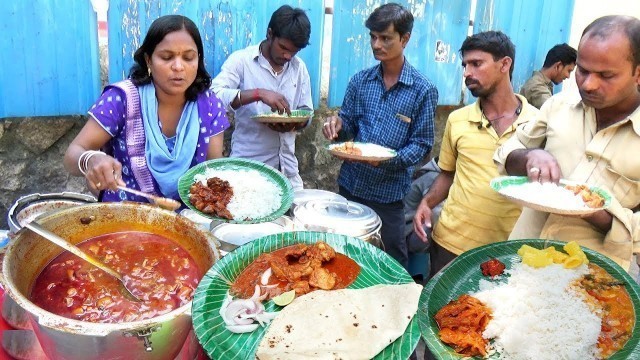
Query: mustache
[{"x": 469, "y": 81}]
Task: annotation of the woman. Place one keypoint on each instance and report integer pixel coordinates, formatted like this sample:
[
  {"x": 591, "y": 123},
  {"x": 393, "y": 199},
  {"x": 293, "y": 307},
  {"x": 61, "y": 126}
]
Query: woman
[{"x": 157, "y": 124}]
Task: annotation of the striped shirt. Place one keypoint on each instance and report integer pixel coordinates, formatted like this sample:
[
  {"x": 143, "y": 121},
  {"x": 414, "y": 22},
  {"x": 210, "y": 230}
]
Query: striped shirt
[{"x": 370, "y": 114}]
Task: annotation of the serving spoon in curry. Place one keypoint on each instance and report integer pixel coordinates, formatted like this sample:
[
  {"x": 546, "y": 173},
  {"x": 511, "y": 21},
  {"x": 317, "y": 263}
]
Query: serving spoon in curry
[{"x": 36, "y": 228}]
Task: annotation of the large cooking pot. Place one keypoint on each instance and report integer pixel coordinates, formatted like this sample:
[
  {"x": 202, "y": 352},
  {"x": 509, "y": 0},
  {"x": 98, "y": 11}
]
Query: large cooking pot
[
  {"x": 340, "y": 217},
  {"x": 61, "y": 338},
  {"x": 28, "y": 207}
]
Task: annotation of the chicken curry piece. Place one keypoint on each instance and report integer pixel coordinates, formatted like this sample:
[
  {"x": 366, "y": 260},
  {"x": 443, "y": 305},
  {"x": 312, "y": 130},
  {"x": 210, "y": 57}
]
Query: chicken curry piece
[
  {"x": 348, "y": 148},
  {"x": 461, "y": 323},
  {"x": 302, "y": 267},
  {"x": 590, "y": 198}
]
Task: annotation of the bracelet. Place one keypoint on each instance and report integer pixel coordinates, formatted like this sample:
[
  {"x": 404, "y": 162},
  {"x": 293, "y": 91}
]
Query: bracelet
[
  {"x": 239, "y": 97},
  {"x": 256, "y": 95},
  {"x": 83, "y": 160}
]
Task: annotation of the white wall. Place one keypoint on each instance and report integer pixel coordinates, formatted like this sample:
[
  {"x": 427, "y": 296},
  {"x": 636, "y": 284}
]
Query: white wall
[{"x": 585, "y": 11}]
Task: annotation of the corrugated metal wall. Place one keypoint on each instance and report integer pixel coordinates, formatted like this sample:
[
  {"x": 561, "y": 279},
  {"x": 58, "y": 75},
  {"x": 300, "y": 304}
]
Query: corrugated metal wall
[
  {"x": 443, "y": 23},
  {"x": 49, "y": 48},
  {"x": 225, "y": 26},
  {"x": 49, "y": 57},
  {"x": 533, "y": 26}
]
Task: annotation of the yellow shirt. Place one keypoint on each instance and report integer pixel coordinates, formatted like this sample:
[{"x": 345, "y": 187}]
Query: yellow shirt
[
  {"x": 474, "y": 214},
  {"x": 609, "y": 158}
]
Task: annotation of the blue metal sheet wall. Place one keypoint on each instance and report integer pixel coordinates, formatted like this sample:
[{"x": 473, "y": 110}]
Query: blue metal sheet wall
[
  {"x": 533, "y": 26},
  {"x": 440, "y": 25},
  {"x": 225, "y": 26},
  {"x": 49, "y": 57}
]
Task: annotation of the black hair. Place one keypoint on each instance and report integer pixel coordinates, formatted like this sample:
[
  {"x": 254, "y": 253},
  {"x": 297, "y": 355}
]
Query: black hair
[
  {"x": 495, "y": 43},
  {"x": 139, "y": 73},
  {"x": 388, "y": 14},
  {"x": 291, "y": 24},
  {"x": 561, "y": 52},
  {"x": 605, "y": 26}
]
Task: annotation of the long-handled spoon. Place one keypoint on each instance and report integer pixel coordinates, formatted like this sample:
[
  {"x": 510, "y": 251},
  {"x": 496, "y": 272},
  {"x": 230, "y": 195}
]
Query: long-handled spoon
[
  {"x": 165, "y": 203},
  {"x": 36, "y": 228}
]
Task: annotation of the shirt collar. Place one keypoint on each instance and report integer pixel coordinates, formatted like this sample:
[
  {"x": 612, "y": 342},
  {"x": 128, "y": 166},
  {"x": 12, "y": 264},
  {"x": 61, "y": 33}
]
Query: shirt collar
[
  {"x": 634, "y": 117},
  {"x": 406, "y": 73},
  {"x": 255, "y": 54}
]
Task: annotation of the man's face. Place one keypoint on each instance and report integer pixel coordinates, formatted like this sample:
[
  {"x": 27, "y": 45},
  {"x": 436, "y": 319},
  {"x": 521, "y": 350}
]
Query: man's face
[
  {"x": 281, "y": 50},
  {"x": 388, "y": 44},
  {"x": 482, "y": 72},
  {"x": 562, "y": 72},
  {"x": 604, "y": 72}
]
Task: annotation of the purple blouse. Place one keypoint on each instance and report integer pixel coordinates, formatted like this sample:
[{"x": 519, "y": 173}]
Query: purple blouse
[{"x": 110, "y": 112}]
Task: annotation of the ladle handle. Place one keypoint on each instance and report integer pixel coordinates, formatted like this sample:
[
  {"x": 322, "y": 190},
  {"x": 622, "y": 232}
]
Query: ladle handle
[
  {"x": 36, "y": 228},
  {"x": 136, "y": 192}
]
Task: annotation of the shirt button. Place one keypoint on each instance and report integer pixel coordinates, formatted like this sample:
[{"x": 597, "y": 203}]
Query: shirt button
[{"x": 590, "y": 157}]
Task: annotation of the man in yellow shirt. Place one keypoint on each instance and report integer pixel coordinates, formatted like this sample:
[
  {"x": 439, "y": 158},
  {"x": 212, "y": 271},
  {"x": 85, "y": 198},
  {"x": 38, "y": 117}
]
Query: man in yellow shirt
[
  {"x": 473, "y": 214},
  {"x": 593, "y": 139}
]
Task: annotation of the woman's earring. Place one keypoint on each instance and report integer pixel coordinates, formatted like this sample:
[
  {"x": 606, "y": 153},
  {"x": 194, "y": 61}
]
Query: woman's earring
[{"x": 149, "y": 70}]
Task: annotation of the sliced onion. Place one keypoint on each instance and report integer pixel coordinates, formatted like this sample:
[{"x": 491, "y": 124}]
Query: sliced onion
[
  {"x": 239, "y": 329},
  {"x": 239, "y": 315},
  {"x": 264, "y": 279}
]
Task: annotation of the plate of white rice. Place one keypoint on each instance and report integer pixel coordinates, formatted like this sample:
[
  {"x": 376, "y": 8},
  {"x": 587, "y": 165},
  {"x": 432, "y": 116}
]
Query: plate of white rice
[
  {"x": 535, "y": 315},
  {"x": 547, "y": 197},
  {"x": 260, "y": 192},
  {"x": 367, "y": 151}
]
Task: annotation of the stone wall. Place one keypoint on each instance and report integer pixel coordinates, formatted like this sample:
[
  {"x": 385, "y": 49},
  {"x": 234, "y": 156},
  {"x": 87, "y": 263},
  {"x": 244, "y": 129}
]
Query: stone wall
[{"x": 32, "y": 149}]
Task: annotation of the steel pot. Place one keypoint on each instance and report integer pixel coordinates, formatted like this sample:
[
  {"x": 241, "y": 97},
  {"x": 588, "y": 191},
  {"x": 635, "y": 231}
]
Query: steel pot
[
  {"x": 303, "y": 195},
  {"x": 61, "y": 338},
  {"x": 340, "y": 217},
  {"x": 28, "y": 207}
]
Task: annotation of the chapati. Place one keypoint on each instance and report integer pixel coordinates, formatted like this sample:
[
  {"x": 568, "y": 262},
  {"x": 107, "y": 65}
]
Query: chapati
[{"x": 340, "y": 324}]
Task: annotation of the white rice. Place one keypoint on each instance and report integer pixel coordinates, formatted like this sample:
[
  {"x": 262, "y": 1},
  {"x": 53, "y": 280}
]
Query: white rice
[
  {"x": 254, "y": 196},
  {"x": 537, "y": 315},
  {"x": 545, "y": 194}
]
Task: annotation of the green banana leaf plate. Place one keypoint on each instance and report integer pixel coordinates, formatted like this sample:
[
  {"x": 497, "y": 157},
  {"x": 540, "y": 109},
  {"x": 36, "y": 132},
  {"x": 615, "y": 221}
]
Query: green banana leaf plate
[
  {"x": 463, "y": 274},
  {"x": 238, "y": 164},
  {"x": 376, "y": 268},
  {"x": 503, "y": 182}
]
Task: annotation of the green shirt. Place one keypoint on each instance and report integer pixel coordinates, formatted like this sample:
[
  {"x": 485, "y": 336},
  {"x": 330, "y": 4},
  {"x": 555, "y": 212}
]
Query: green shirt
[{"x": 537, "y": 89}]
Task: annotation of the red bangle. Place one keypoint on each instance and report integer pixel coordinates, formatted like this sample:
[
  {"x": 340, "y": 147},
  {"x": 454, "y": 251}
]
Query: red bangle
[{"x": 256, "y": 95}]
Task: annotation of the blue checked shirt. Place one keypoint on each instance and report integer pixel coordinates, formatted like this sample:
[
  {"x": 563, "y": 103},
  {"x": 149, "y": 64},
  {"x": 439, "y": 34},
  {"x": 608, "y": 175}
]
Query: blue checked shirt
[{"x": 369, "y": 114}]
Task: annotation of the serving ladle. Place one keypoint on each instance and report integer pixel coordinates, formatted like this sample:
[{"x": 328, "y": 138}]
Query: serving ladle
[
  {"x": 165, "y": 203},
  {"x": 36, "y": 228}
]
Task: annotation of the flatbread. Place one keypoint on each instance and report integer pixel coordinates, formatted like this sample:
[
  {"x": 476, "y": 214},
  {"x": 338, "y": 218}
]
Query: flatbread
[{"x": 340, "y": 324}]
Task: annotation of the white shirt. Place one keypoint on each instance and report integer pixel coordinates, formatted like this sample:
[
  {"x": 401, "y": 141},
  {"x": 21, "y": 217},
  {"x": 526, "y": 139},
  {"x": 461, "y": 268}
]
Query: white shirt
[{"x": 248, "y": 69}]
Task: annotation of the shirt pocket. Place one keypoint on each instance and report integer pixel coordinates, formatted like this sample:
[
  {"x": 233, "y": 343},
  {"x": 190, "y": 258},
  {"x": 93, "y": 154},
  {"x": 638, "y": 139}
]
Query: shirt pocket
[
  {"x": 395, "y": 133},
  {"x": 626, "y": 189}
]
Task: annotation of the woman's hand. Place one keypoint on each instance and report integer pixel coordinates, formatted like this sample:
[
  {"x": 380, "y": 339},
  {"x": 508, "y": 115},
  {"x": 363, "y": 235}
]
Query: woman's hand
[
  {"x": 104, "y": 172},
  {"x": 332, "y": 127}
]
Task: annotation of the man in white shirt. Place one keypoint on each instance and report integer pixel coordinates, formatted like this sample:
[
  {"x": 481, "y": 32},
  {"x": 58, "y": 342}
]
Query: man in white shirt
[{"x": 269, "y": 77}]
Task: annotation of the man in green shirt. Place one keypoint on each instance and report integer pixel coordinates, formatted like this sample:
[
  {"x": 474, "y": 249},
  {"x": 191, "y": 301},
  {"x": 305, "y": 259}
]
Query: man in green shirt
[{"x": 559, "y": 63}]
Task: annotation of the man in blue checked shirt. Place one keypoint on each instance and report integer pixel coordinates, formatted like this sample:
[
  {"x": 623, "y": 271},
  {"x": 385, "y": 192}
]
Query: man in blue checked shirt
[{"x": 393, "y": 105}]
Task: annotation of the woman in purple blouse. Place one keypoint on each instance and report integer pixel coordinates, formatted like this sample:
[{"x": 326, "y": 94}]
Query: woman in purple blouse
[{"x": 157, "y": 124}]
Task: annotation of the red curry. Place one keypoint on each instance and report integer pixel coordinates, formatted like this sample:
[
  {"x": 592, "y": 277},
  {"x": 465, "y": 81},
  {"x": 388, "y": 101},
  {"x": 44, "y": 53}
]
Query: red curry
[
  {"x": 618, "y": 316},
  {"x": 155, "y": 269},
  {"x": 343, "y": 267}
]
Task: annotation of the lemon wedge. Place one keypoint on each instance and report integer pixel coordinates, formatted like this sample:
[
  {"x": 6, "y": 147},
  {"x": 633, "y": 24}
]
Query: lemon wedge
[{"x": 285, "y": 298}]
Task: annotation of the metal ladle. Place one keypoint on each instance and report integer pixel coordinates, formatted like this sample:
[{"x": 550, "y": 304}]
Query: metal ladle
[
  {"x": 165, "y": 203},
  {"x": 36, "y": 228}
]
